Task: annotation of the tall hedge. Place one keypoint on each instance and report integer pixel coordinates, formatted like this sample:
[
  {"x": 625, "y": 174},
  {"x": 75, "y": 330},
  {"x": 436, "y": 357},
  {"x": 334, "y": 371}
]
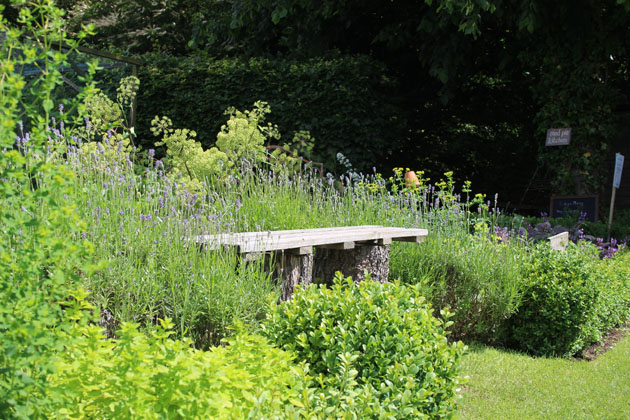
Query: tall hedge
[{"x": 346, "y": 102}]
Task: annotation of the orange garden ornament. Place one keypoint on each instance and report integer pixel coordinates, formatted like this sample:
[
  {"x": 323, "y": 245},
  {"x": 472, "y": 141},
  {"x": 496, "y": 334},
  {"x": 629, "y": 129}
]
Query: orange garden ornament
[{"x": 411, "y": 180}]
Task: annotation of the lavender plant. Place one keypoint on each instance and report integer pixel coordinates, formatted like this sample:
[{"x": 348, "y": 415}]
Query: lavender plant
[{"x": 142, "y": 223}]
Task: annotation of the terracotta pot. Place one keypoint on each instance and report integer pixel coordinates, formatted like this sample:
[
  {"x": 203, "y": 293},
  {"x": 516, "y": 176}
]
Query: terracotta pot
[{"x": 411, "y": 179}]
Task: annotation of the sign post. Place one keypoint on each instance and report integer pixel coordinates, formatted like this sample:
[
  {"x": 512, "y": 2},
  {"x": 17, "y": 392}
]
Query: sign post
[{"x": 616, "y": 182}]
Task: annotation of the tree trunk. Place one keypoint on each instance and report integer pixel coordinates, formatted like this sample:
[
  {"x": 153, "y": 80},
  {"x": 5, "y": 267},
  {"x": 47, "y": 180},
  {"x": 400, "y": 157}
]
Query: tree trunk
[
  {"x": 352, "y": 262},
  {"x": 292, "y": 270}
]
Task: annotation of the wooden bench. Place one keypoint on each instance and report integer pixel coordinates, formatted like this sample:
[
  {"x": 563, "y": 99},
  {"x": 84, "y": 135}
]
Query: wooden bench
[{"x": 351, "y": 250}]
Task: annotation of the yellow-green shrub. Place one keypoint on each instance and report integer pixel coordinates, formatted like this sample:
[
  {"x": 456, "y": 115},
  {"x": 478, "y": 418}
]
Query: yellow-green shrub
[
  {"x": 241, "y": 138},
  {"x": 155, "y": 377},
  {"x": 39, "y": 262}
]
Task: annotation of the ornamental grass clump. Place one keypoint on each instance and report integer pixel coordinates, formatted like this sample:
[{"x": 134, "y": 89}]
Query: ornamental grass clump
[
  {"x": 378, "y": 341},
  {"x": 476, "y": 277}
]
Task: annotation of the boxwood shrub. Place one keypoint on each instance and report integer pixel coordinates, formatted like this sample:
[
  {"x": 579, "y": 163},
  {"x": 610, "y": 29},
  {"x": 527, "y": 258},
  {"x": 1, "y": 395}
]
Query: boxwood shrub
[
  {"x": 382, "y": 338},
  {"x": 570, "y": 300},
  {"x": 613, "y": 306}
]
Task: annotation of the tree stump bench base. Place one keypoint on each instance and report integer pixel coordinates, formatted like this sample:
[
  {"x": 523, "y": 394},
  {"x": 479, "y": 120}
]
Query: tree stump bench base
[{"x": 353, "y": 262}]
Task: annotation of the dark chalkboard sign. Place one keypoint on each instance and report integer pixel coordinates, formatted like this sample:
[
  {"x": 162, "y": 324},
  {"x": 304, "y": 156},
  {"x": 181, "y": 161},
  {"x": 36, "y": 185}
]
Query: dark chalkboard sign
[{"x": 569, "y": 205}]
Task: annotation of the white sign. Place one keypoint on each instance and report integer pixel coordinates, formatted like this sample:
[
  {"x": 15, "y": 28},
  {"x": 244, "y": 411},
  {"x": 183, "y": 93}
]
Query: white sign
[
  {"x": 559, "y": 241},
  {"x": 618, "y": 169},
  {"x": 558, "y": 137}
]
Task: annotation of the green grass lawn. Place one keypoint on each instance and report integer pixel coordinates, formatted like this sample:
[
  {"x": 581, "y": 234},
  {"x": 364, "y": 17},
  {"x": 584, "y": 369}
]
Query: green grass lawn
[{"x": 508, "y": 385}]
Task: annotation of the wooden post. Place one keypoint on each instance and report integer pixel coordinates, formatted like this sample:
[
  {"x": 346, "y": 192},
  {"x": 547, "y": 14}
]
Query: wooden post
[
  {"x": 616, "y": 184},
  {"x": 612, "y": 207},
  {"x": 134, "y": 102}
]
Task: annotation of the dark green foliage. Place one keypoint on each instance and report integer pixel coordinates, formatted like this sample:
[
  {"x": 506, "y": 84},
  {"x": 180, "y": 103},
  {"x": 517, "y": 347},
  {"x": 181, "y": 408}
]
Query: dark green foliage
[
  {"x": 384, "y": 334},
  {"x": 345, "y": 103},
  {"x": 619, "y": 230},
  {"x": 613, "y": 305},
  {"x": 564, "y": 298},
  {"x": 138, "y": 26},
  {"x": 481, "y": 81}
]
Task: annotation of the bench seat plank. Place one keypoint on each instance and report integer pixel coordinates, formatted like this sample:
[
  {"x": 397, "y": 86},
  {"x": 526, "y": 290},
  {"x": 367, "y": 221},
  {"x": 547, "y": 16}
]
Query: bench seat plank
[{"x": 268, "y": 241}]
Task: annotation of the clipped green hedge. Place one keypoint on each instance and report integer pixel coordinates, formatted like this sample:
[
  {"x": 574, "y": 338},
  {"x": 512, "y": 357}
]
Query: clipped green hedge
[
  {"x": 613, "y": 306},
  {"x": 345, "y": 102},
  {"x": 378, "y": 341},
  {"x": 570, "y": 300}
]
